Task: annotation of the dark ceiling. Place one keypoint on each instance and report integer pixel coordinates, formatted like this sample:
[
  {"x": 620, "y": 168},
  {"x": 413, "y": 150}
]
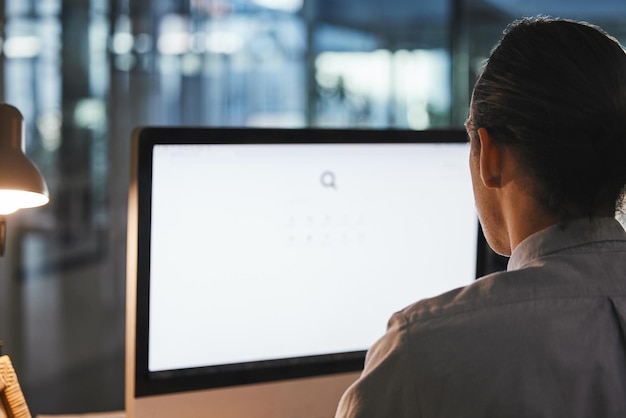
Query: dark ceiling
[
  {"x": 369, "y": 14},
  {"x": 411, "y": 22}
]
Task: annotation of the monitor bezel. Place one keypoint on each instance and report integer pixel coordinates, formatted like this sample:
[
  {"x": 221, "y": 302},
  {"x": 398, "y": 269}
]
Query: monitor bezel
[{"x": 155, "y": 383}]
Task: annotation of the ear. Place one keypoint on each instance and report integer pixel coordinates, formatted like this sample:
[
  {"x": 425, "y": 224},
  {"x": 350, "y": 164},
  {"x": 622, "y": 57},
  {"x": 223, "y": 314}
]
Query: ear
[{"x": 491, "y": 159}]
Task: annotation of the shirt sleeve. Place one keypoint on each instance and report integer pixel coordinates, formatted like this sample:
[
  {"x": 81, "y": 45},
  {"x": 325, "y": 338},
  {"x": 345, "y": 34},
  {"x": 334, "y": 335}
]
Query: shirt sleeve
[{"x": 385, "y": 388}]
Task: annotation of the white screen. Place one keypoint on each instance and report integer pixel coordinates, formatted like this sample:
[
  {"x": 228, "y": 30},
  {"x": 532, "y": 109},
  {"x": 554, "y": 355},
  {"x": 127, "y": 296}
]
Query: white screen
[{"x": 277, "y": 251}]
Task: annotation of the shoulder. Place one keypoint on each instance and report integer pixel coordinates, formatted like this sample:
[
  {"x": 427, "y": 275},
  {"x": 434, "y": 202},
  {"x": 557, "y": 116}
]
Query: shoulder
[
  {"x": 569, "y": 276},
  {"x": 398, "y": 365},
  {"x": 494, "y": 289}
]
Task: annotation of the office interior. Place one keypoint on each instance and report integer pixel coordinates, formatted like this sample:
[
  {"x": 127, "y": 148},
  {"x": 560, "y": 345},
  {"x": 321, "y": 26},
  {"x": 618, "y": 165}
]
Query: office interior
[{"x": 85, "y": 73}]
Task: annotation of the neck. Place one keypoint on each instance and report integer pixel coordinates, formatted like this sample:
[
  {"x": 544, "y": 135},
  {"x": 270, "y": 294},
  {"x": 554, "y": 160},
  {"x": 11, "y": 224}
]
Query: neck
[{"x": 524, "y": 215}]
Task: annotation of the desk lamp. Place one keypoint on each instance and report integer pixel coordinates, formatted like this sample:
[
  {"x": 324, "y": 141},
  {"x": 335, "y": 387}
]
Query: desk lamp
[
  {"x": 21, "y": 186},
  {"x": 21, "y": 183}
]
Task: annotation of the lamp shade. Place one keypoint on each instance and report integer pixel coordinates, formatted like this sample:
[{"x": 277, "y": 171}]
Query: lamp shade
[{"x": 21, "y": 183}]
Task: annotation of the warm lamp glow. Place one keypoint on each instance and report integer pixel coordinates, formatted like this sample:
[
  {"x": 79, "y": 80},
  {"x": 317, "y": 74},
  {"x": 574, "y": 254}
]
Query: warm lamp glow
[{"x": 13, "y": 200}]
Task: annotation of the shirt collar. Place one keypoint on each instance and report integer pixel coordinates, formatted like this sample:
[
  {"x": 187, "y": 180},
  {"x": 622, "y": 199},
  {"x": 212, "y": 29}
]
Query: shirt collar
[{"x": 560, "y": 237}]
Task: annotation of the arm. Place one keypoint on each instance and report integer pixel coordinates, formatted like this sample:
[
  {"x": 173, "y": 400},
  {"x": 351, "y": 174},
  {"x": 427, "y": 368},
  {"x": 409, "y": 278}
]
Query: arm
[{"x": 386, "y": 387}]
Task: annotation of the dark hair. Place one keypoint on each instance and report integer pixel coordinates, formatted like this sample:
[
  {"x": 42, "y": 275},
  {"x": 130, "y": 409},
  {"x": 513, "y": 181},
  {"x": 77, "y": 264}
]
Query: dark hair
[{"x": 555, "y": 91}]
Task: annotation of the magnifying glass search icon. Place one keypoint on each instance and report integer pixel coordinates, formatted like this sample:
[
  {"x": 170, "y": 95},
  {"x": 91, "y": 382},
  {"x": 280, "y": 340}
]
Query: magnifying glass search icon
[{"x": 328, "y": 179}]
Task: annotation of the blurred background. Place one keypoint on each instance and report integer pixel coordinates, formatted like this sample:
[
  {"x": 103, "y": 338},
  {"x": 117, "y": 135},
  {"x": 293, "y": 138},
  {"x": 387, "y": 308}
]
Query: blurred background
[{"x": 84, "y": 73}]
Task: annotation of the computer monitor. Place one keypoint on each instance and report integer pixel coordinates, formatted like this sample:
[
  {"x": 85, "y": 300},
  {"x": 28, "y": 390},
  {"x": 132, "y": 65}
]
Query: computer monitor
[{"x": 263, "y": 263}]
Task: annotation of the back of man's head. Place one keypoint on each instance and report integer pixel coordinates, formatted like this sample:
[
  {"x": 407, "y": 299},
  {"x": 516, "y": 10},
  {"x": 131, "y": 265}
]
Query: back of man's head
[{"x": 555, "y": 91}]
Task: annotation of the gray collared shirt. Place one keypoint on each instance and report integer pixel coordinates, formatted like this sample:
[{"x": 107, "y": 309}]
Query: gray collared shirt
[{"x": 546, "y": 338}]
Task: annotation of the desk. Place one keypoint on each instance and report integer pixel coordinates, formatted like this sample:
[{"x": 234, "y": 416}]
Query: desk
[{"x": 114, "y": 414}]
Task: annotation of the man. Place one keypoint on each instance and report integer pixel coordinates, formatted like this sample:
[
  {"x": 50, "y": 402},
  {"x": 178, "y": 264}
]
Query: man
[{"x": 546, "y": 338}]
